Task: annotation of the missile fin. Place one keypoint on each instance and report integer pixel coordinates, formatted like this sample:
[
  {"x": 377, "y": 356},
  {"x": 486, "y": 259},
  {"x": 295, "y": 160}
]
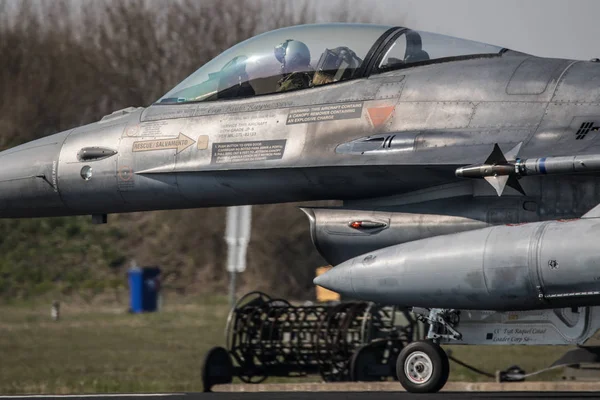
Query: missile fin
[
  {"x": 500, "y": 182},
  {"x": 514, "y": 152},
  {"x": 496, "y": 156},
  {"x": 497, "y": 182},
  {"x": 513, "y": 182}
]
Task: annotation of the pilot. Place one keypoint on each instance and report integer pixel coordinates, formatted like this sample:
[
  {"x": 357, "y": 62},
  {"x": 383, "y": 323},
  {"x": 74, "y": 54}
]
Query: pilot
[
  {"x": 414, "y": 48},
  {"x": 294, "y": 57}
]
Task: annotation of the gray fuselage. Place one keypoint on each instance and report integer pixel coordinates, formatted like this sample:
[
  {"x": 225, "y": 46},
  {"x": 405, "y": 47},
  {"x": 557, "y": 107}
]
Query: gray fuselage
[
  {"x": 252, "y": 151},
  {"x": 387, "y": 145}
]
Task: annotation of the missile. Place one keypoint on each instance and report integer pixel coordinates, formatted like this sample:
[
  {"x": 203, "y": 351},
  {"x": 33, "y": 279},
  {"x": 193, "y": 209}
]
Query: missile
[
  {"x": 501, "y": 170},
  {"x": 549, "y": 264}
]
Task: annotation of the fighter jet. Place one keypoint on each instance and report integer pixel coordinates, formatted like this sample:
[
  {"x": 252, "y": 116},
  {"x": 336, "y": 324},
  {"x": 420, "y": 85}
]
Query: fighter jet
[{"x": 468, "y": 173}]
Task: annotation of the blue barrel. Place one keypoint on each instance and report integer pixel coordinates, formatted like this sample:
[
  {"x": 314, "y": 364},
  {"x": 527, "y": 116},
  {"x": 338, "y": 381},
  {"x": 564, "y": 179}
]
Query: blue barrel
[{"x": 144, "y": 286}]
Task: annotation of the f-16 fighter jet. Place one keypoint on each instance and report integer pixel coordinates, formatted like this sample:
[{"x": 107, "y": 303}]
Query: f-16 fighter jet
[{"x": 468, "y": 173}]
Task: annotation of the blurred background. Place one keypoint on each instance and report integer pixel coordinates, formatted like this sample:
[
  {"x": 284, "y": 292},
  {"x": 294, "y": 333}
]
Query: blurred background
[{"x": 67, "y": 63}]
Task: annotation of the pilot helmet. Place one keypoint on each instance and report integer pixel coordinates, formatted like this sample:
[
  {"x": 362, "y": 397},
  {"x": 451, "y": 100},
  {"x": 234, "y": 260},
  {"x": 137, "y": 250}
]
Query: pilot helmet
[{"x": 293, "y": 55}]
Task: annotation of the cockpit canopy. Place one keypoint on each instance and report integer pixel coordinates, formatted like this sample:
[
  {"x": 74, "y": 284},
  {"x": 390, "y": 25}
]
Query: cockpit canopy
[{"x": 307, "y": 56}]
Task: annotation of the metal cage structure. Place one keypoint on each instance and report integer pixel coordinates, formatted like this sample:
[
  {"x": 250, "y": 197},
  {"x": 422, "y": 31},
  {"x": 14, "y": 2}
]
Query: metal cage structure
[{"x": 340, "y": 341}]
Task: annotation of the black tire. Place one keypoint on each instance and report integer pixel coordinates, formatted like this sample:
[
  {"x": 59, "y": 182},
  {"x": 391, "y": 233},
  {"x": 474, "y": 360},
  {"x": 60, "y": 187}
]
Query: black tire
[
  {"x": 429, "y": 364},
  {"x": 363, "y": 360},
  {"x": 217, "y": 368}
]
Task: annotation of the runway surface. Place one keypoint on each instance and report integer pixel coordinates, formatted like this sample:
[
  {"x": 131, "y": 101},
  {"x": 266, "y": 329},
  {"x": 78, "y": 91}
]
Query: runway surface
[{"x": 324, "y": 396}]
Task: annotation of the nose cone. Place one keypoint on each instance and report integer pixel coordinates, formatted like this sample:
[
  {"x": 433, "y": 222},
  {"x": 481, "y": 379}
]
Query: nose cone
[
  {"x": 28, "y": 176},
  {"x": 338, "y": 279}
]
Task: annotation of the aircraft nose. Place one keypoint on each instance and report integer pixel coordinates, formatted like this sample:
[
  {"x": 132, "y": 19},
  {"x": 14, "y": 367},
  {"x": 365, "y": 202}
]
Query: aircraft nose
[
  {"x": 28, "y": 176},
  {"x": 338, "y": 279}
]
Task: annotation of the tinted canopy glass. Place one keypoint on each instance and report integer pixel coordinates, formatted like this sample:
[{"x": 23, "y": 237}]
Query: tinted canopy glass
[
  {"x": 418, "y": 47},
  {"x": 292, "y": 58}
]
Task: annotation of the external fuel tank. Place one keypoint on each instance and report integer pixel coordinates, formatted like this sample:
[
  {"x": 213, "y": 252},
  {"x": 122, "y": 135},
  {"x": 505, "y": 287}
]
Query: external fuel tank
[{"x": 538, "y": 265}]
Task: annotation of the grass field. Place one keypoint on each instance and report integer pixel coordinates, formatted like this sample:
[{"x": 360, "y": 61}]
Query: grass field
[{"x": 102, "y": 348}]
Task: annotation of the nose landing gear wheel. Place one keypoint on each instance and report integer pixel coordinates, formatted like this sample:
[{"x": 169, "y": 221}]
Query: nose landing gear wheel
[{"x": 422, "y": 367}]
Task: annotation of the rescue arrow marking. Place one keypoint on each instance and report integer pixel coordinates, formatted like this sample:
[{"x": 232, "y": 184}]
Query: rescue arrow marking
[{"x": 179, "y": 143}]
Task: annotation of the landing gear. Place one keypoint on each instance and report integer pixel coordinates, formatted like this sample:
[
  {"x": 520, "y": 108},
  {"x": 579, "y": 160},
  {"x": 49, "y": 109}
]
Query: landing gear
[
  {"x": 423, "y": 367},
  {"x": 441, "y": 323}
]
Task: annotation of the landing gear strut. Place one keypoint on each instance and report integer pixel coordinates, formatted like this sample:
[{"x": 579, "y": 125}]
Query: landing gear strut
[{"x": 423, "y": 366}]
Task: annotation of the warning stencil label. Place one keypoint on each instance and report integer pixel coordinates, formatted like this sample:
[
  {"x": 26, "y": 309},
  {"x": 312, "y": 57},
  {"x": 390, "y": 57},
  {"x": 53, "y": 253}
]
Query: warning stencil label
[
  {"x": 235, "y": 152},
  {"x": 329, "y": 112}
]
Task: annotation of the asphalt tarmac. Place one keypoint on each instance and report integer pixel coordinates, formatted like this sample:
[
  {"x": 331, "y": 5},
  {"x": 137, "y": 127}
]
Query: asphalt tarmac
[{"x": 324, "y": 396}]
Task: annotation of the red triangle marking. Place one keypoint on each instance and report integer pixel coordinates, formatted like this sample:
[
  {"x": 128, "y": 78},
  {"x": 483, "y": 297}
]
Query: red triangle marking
[{"x": 379, "y": 115}]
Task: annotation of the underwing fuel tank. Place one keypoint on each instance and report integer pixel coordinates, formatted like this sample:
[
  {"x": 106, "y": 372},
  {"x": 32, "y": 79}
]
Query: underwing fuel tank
[{"x": 538, "y": 265}]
